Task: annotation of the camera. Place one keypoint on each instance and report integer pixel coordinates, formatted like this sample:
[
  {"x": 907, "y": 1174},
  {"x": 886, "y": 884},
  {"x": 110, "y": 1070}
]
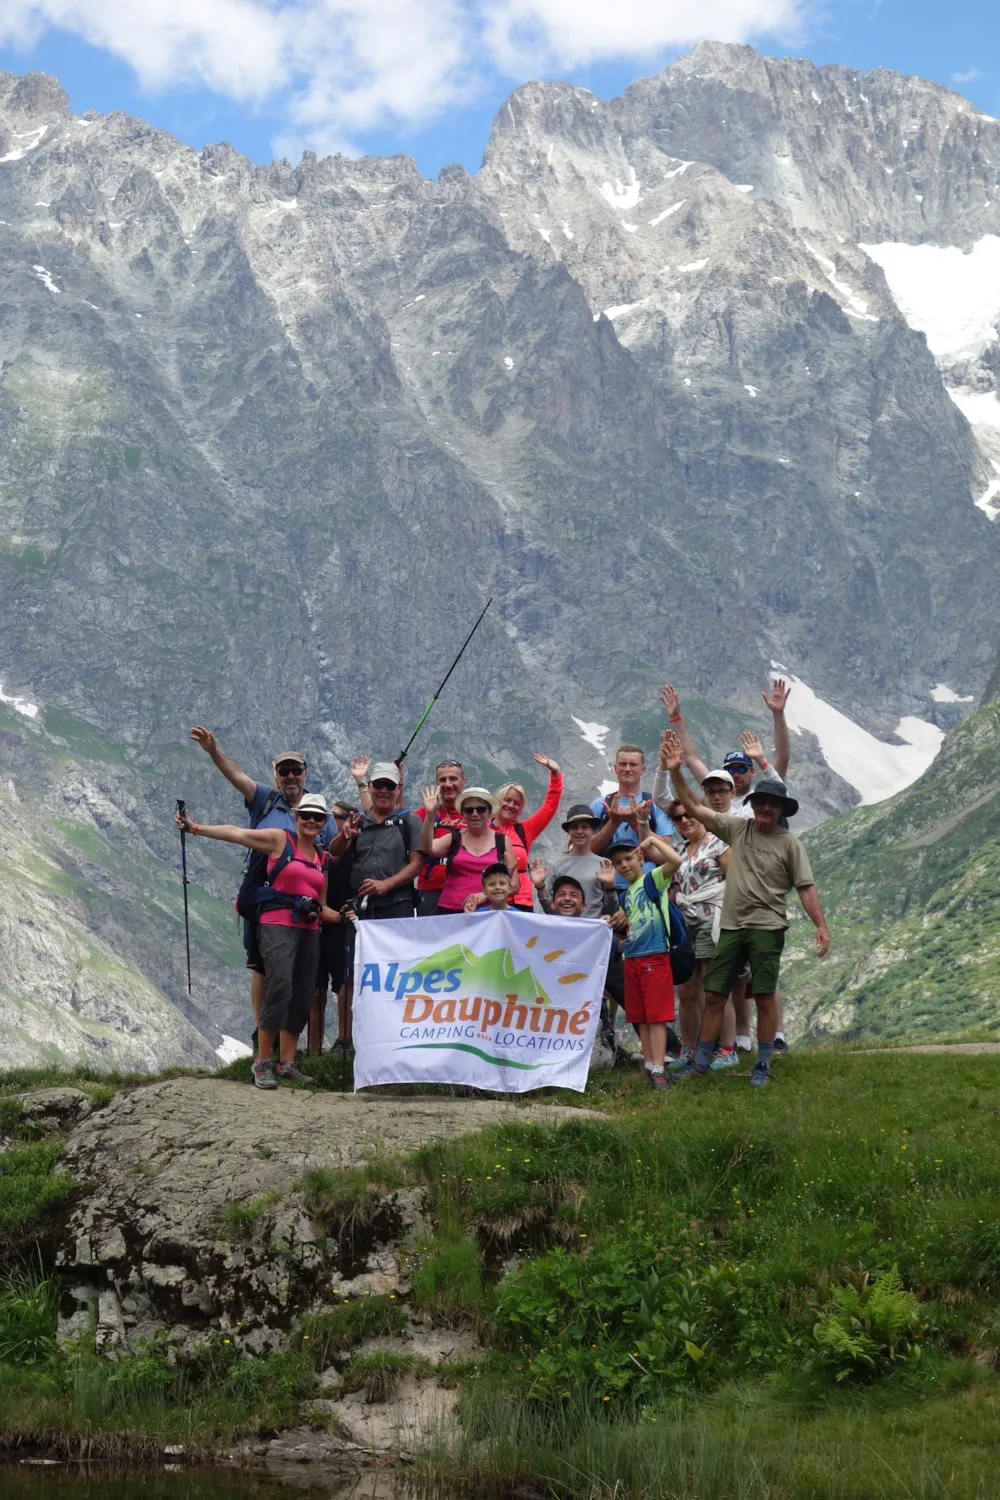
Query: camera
[{"x": 306, "y": 909}]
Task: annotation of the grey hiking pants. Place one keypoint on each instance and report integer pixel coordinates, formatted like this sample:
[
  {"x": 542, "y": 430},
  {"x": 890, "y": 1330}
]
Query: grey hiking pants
[{"x": 290, "y": 957}]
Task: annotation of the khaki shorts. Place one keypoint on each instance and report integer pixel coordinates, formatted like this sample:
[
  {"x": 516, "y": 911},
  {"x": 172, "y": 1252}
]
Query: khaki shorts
[
  {"x": 700, "y": 934},
  {"x": 761, "y": 946}
]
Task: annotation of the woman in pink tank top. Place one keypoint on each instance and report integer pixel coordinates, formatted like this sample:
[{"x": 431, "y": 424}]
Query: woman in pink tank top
[
  {"x": 470, "y": 851},
  {"x": 292, "y": 904}
]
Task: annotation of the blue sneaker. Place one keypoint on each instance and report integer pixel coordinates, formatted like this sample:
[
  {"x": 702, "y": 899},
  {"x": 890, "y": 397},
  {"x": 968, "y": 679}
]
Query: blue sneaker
[
  {"x": 726, "y": 1057},
  {"x": 690, "y": 1070},
  {"x": 760, "y": 1076},
  {"x": 684, "y": 1060}
]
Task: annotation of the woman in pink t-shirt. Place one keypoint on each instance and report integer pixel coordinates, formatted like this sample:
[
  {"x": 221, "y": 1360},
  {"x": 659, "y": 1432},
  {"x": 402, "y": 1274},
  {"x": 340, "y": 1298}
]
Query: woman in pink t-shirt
[
  {"x": 292, "y": 903},
  {"x": 470, "y": 851}
]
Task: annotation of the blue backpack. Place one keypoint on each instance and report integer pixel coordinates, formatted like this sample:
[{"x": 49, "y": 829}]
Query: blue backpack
[{"x": 679, "y": 944}]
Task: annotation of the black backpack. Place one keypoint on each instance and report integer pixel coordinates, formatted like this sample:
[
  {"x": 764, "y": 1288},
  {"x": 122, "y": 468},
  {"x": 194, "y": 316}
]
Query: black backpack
[
  {"x": 255, "y": 867},
  {"x": 264, "y": 894},
  {"x": 456, "y": 844},
  {"x": 679, "y": 944}
]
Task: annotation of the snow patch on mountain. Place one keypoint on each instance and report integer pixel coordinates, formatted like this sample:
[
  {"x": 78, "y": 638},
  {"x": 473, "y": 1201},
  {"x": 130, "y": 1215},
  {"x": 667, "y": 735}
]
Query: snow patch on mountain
[
  {"x": 19, "y": 705},
  {"x": 942, "y": 693},
  {"x": 950, "y": 295},
  {"x": 874, "y": 768},
  {"x": 231, "y": 1050},
  {"x": 595, "y": 734},
  {"x": 981, "y": 408}
]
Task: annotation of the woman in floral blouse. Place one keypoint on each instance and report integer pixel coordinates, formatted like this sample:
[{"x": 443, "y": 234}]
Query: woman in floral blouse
[{"x": 698, "y": 887}]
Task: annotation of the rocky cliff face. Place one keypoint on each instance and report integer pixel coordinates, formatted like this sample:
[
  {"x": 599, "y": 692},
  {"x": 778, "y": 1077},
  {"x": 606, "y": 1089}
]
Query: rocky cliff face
[{"x": 270, "y": 435}]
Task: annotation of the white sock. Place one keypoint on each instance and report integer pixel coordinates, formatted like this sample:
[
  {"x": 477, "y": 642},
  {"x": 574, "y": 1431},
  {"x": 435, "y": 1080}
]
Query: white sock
[
  {"x": 743, "y": 1041},
  {"x": 779, "y": 1036},
  {"x": 648, "y": 1066},
  {"x": 655, "y": 1068}
]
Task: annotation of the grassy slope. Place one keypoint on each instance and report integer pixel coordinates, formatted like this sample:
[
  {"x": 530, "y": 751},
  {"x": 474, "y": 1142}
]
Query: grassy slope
[
  {"x": 912, "y": 892},
  {"x": 849, "y": 1163}
]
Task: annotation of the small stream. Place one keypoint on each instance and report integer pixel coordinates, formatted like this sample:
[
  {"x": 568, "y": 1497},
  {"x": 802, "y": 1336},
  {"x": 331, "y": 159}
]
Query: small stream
[{"x": 71, "y": 1482}]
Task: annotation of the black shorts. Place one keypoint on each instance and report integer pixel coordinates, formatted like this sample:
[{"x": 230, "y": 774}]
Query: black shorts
[
  {"x": 332, "y": 967},
  {"x": 252, "y": 946},
  {"x": 614, "y": 980}
]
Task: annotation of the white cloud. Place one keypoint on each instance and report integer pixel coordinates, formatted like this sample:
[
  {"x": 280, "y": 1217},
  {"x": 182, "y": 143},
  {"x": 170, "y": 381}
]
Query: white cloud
[
  {"x": 968, "y": 75},
  {"x": 338, "y": 68}
]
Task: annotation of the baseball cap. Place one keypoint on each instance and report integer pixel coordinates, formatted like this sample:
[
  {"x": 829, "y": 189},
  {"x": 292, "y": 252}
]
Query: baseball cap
[
  {"x": 619, "y": 849},
  {"x": 572, "y": 880},
  {"x": 291, "y": 755},
  {"x": 720, "y": 776},
  {"x": 736, "y": 757},
  {"x": 496, "y": 869},
  {"x": 313, "y": 802},
  {"x": 384, "y": 770}
]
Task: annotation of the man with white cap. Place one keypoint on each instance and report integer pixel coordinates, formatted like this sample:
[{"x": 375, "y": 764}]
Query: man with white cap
[{"x": 384, "y": 849}]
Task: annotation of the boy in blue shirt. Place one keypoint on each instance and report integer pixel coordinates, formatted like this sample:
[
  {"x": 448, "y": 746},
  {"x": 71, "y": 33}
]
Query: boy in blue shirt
[{"x": 649, "y": 981}]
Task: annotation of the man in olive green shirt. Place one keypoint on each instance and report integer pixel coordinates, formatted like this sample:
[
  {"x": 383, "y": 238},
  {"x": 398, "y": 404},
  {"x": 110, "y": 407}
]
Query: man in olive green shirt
[{"x": 766, "y": 862}]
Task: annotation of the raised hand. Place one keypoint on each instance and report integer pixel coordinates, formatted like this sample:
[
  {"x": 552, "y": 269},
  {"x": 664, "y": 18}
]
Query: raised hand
[
  {"x": 539, "y": 872},
  {"x": 184, "y": 821},
  {"x": 430, "y": 799},
  {"x": 778, "y": 695},
  {"x": 644, "y": 812},
  {"x": 606, "y": 873},
  {"x": 352, "y": 826},
  {"x": 752, "y": 745},
  {"x": 359, "y": 768},
  {"x": 549, "y": 764},
  {"x": 205, "y": 738},
  {"x": 671, "y": 753},
  {"x": 671, "y": 702},
  {"x": 615, "y": 812}
]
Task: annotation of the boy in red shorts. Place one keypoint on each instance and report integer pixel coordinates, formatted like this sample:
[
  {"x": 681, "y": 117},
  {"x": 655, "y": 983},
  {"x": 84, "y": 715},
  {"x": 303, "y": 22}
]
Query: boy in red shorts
[{"x": 649, "y": 983}]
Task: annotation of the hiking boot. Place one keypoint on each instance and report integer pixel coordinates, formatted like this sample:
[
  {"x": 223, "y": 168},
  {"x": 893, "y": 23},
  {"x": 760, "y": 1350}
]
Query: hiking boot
[
  {"x": 263, "y": 1074},
  {"x": 685, "y": 1060},
  {"x": 290, "y": 1072},
  {"x": 661, "y": 1083},
  {"x": 690, "y": 1070},
  {"x": 760, "y": 1076},
  {"x": 726, "y": 1057},
  {"x": 340, "y": 1045},
  {"x": 780, "y": 1045}
]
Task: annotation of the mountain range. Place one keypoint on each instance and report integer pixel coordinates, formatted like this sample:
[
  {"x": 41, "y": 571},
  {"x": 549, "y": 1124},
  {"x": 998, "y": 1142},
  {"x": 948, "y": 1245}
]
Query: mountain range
[{"x": 694, "y": 383}]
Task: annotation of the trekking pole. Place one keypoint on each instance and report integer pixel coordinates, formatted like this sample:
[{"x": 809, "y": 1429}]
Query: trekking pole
[
  {"x": 424, "y": 716},
  {"x": 181, "y": 810}
]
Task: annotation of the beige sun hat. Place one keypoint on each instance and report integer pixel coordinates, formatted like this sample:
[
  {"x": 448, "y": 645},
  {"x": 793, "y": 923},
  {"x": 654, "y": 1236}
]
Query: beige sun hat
[{"x": 478, "y": 794}]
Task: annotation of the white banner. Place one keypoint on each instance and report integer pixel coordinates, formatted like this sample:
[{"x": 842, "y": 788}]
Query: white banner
[{"x": 507, "y": 1001}]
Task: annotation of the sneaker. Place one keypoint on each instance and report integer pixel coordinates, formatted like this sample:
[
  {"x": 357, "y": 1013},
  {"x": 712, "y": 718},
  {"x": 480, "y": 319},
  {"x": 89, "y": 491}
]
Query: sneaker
[
  {"x": 691, "y": 1070},
  {"x": 760, "y": 1076},
  {"x": 291, "y": 1073},
  {"x": 685, "y": 1060},
  {"x": 661, "y": 1083},
  {"x": 744, "y": 1044},
  {"x": 263, "y": 1074},
  {"x": 340, "y": 1045},
  {"x": 726, "y": 1057},
  {"x": 780, "y": 1045}
]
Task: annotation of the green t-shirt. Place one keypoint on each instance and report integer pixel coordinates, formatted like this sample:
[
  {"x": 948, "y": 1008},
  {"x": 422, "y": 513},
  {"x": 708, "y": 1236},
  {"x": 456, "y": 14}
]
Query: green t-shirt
[
  {"x": 645, "y": 928},
  {"x": 763, "y": 868}
]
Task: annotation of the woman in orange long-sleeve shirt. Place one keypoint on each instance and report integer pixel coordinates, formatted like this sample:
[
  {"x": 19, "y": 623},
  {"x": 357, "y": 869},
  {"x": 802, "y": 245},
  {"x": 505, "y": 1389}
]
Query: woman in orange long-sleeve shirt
[{"x": 512, "y": 799}]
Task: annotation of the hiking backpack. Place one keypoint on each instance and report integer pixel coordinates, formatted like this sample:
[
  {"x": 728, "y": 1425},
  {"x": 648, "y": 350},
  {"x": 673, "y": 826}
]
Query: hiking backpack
[
  {"x": 264, "y": 894},
  {"x": 255, "y": 867},
  {"x": 679, "y": 944},
  {"x": 456, "y": 844}
]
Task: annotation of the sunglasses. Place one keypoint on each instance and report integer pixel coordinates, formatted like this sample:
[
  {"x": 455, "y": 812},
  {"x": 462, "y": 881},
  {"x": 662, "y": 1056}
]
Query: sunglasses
[
  {"x": 477, "y": 811},
  {"x": 313, "y": 817},
  {"x": 290, "y": 768},
  {"x": 683, "y": 818},
  {"x": 384, "y": 786},
  {"x": 739, "y": 766}
]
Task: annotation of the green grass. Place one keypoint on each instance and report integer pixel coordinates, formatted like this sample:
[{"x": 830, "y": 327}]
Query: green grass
[
  {"x": 322, "y": 1335},
  {"x": 30, "y": 1189}
]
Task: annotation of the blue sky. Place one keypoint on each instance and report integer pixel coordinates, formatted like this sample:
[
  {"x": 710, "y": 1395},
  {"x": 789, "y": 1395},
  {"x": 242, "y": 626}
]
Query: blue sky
[{"x": 426, "y": 76}]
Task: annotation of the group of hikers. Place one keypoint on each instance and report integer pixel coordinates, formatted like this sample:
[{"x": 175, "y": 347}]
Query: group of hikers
[{"x": 719, "y": 854}]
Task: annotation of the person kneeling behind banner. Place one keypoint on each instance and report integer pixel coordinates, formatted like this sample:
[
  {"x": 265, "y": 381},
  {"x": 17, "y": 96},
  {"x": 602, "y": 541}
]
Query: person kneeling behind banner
[{"x": 292, "y": 903}]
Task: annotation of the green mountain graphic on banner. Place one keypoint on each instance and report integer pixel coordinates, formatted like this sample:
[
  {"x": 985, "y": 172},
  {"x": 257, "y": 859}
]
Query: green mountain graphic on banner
[{"x": 490, "y": 974}]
